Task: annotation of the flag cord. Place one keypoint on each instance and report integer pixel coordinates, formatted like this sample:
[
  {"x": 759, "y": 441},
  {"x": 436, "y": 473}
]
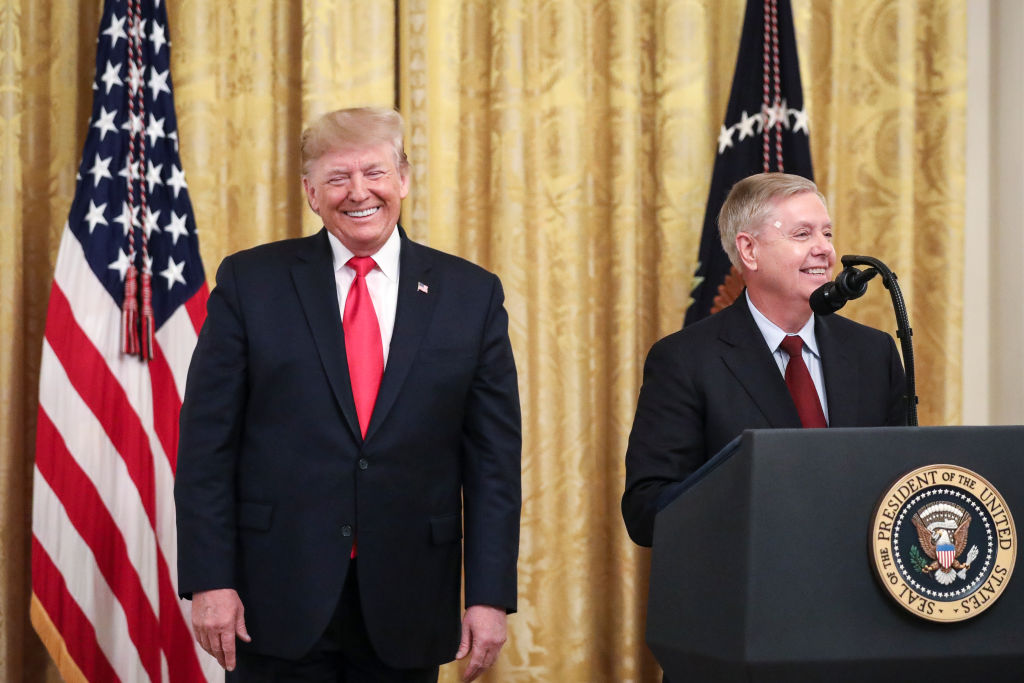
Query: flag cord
[
  {"x": 772, "y": 108},
  {"x": 137, "y": 281},
  {"x": 778, "y": 103}
]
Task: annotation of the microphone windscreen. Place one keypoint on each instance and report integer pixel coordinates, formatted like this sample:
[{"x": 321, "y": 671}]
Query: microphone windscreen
[{"x": 826, "y": 300}]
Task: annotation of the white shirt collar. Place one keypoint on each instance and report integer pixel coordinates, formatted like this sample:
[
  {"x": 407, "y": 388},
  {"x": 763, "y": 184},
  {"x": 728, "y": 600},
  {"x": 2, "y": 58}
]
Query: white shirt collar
[
  {"x": 387, "y": 257},
  {"x": 773, "y": 334}
]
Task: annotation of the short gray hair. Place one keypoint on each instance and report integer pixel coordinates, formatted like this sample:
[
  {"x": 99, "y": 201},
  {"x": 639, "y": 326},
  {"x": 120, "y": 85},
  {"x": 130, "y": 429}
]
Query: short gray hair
[{"x": 751, "y": 202}]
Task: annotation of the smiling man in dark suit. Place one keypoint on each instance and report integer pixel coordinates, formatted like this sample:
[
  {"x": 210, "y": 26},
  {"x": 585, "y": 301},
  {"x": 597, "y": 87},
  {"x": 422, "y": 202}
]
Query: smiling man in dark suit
[
  {"x": 350, "y": 425},
  {"x": 704, "y": 385}
]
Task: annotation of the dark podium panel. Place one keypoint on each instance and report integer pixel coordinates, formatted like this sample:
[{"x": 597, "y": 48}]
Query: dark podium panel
[{"x": 761, "y": 569}]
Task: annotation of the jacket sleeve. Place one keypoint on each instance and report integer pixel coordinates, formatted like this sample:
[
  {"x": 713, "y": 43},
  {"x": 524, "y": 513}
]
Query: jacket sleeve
[
  {"x": 492, "y": 445},
  {"x": 210, "y": 428},
  {"x": 666, "y": 443}
]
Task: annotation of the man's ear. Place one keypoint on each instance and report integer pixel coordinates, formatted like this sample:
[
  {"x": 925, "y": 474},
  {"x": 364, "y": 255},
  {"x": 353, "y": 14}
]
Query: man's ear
[
  {"x": 310, "y": 195},
  {"x": 746, "y": 247},
  {"x": 405, "y": 175}
]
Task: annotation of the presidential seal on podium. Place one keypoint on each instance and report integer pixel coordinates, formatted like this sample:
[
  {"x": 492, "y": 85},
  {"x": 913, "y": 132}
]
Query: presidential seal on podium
[{"x": 943, "y": 543}]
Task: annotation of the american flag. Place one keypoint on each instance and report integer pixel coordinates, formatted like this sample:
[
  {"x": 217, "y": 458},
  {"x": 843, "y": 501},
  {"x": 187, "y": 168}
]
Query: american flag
[{"x": 128, "y": 298}]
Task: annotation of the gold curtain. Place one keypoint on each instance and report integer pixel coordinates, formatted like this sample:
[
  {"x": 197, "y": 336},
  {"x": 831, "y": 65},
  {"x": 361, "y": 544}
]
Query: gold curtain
[
  {"x": 567, "y": 146},
  {"x": 886, "y": 88}
]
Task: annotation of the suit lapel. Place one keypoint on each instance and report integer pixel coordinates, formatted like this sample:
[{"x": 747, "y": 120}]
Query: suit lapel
[
  {"x": 750, "y": 361},
  {"x": 412, "y": 316},
  {"x": 841, "y": 383},
  {"x": 313, "y": 275}
]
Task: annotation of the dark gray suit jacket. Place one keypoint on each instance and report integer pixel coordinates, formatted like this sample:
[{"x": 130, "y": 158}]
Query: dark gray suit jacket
[
  {"x": 274, "y": 480},
  {"x": 707, "y": 383}
]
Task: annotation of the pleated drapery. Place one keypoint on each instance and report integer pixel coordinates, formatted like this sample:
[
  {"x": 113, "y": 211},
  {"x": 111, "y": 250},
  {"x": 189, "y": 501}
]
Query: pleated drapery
[{"x": 566, "y": 145}]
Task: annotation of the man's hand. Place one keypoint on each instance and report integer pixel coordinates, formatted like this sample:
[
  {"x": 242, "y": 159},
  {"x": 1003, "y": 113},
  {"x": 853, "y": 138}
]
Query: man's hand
[
  {"x": 216, "y": 620},
  {"x": 483, "y": 634}
]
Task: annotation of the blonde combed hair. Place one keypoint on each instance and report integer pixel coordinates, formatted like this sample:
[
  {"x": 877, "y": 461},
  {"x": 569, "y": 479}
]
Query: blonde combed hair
[{"x": 353, "y": 127}]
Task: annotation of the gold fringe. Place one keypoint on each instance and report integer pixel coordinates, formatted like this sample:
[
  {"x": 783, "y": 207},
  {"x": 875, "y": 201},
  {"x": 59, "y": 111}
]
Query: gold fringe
[{"x": 54, "y": 643}]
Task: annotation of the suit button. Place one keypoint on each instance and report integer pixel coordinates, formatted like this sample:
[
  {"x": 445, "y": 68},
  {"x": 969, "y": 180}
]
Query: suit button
[
  {"x": 363, "y": 463},
  {"x": 346, "y": 530}
]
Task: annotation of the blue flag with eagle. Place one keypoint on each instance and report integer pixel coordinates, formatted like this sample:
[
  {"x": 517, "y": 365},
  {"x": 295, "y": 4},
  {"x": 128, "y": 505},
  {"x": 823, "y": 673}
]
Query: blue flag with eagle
[{"x": 765, "y": 129}]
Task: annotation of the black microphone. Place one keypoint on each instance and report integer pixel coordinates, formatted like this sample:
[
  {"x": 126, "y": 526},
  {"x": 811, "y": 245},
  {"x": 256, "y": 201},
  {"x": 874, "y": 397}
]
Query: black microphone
[{"x": 849, "y": 284}]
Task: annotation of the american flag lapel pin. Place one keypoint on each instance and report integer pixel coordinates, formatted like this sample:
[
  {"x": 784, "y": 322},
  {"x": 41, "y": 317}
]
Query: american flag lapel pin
[{"x": 420, "y": 287}]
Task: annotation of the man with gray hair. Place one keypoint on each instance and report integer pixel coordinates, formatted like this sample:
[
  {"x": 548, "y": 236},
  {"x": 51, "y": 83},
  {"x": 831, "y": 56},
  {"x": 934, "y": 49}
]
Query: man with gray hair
[
  {"x": 350, "y": 426},
  {"x": 766, "y": 361}
]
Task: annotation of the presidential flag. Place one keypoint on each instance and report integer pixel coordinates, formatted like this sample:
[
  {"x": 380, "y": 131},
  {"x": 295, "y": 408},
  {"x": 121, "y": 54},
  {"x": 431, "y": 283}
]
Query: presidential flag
[
  {"x": 127, "y": 301},
  {"x": 765, "y": 129}
]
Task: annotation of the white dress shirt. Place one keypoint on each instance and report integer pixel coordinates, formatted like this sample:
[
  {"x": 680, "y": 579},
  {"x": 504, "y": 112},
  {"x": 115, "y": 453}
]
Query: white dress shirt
[
  {"x": 382, "y": 282},
  {"x": 773, "y": 336}
]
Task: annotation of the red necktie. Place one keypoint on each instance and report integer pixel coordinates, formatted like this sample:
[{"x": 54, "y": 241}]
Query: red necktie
[
  {"x": 800, "y": 384},
  {"x": 362, "y": 342}
]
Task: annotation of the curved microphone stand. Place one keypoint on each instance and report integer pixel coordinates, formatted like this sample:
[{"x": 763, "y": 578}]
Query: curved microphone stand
[{"x": 903, "y": 330}]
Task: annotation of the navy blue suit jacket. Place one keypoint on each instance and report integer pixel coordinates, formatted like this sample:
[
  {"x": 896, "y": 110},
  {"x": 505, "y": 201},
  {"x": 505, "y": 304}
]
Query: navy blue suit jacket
[
  {"x": 274, "y": 480},
  {"x": 706, "y": 384}
]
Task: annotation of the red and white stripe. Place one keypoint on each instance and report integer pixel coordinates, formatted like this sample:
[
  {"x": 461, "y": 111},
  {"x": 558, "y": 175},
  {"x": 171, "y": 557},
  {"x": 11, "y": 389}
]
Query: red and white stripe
[
  {"x": 104, "y": 541},
  {"x": 946, "y": 555}
]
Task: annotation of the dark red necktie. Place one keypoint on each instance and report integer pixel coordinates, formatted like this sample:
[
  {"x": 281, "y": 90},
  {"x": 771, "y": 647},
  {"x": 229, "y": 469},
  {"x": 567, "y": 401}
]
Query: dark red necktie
[
  {"x": 800, "y": 384},
  {"x": 362, "y": 342}
]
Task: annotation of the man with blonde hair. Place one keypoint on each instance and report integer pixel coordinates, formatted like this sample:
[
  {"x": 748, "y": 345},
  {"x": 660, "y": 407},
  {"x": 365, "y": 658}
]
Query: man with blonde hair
[
  {"x": 350, "y": 426},
  {"x": 766, "y": 361}
]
